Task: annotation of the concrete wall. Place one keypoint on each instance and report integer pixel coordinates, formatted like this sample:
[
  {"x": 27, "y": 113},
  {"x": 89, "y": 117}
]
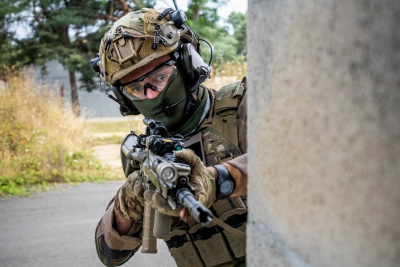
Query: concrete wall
[{"x": 324, "y": 133}]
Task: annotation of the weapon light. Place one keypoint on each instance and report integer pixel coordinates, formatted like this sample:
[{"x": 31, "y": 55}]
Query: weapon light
[{"x": 168, "y": 174}]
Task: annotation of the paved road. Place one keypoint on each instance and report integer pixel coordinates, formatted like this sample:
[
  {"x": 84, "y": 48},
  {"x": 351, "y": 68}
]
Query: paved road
[{"x": 56, "y": 229}]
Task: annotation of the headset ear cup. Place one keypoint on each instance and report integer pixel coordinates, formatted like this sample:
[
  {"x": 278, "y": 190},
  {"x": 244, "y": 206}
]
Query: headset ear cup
[
  {"x": 180, "y": 60},
  {"x": 183, "y": 57},
  {"x": 191, "y": 64}
]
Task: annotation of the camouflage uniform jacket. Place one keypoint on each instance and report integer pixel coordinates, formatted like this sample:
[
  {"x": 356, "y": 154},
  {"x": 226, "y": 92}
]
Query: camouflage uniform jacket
[{"x": 195, "y": 245}]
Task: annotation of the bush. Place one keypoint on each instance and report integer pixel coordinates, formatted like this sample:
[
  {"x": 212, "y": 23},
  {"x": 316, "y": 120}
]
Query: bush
[
  {"x": 41, "y": 143},
  {"x": 226, "y": 72}
]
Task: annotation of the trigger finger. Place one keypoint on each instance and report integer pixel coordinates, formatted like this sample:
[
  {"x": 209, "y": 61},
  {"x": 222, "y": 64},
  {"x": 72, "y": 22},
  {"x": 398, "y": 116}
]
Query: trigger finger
[{"x": 182, "y": 213}]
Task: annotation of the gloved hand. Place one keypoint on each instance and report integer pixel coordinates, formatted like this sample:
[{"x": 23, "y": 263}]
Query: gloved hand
[
  {"x": 158, "y": 202},
  {"x": 129, "y": 199},
  {"x": 200, "y": 177}
]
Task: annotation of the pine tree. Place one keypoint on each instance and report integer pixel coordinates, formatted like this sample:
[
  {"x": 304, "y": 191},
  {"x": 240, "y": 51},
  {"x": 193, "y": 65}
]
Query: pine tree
[
  {"x": 69, "y": 31},
  {"x": 58, "y": 30},
  {"x": 239, "y": 23}
]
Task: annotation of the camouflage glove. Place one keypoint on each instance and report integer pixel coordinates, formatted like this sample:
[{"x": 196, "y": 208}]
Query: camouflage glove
[
  {"x": 129, "y": 199},
  {"x": 158, "y": 202},
  {"x": 200, "y": 177}
]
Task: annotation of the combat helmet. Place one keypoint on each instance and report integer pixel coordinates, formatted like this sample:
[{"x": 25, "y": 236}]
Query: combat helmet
[{"x": 143, "y": 36}]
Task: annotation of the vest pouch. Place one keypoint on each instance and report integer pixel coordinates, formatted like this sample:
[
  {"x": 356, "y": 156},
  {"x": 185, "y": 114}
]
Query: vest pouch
[
  {"x": 210, "y": 244},
  {"x": 241, "y": 126},
  {"x": 224, "y": 119},
  {"x": 217, "y": 148},
  {"x": 237, "y": 219},
  {"x": 182, "y": 250}
]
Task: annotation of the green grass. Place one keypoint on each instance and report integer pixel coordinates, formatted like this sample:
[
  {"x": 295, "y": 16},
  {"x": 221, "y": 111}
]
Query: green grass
[
  {"x": 105, "y": 140},
  {"x": 109, "y": 132},
  {"x": 132, "y": 124}
]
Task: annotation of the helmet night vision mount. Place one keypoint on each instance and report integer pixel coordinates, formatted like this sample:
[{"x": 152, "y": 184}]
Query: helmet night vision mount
[{"x": 143, "y": 36}]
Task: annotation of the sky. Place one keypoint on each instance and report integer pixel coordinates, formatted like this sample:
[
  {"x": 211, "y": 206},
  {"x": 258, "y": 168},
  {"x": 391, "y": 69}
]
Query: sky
[{"x": 223, "y": 11}]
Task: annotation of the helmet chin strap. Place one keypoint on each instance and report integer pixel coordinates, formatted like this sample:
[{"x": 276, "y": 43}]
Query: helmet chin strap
[{"x": 169, "y": 108}]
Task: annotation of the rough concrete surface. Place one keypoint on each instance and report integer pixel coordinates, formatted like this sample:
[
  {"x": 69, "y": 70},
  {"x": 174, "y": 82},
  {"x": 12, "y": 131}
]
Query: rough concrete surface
[{"x": 324, "y": 160}]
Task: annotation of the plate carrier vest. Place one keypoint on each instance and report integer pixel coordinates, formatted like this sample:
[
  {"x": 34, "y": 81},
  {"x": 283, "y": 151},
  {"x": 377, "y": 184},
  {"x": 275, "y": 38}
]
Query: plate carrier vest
[{"x": 211, "y": 245}]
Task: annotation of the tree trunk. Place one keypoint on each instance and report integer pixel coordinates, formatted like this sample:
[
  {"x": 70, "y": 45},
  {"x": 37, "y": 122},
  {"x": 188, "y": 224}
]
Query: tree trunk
[
  {"x": 74, "y": 94},
  {"x": 72, "y": 78},
  {"x": 196, "y": 11}
]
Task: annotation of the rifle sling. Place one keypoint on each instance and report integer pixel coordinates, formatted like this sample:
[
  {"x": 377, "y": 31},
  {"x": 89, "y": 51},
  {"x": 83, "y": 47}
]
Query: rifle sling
[{"x": 229, "y": 228}]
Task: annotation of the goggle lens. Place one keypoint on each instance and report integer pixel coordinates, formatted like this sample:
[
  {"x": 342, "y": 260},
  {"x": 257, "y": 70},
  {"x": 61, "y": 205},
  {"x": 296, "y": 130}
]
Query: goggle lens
[{"x": 155, "y": 80}]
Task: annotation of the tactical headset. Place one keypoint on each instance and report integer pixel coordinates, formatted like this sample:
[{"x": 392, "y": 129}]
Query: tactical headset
[{"x": 188, "y": 61}]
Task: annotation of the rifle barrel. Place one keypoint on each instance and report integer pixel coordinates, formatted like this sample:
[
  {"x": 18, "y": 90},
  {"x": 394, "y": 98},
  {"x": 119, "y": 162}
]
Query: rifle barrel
[{"x": 197, "y": 210}]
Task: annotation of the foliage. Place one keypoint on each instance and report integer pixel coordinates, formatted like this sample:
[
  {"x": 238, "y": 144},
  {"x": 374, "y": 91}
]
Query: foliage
[
  {"x": 52, "y": 23},
  {"x": 239, "y": 23},
  {"x": 139, "y": 4},
  {"x": 9, "y": 56},
  {"x": 203, "y": 19},
  {"x": 41, "y": 143},
  {"x": 226, "y": 72},
  {"x": 7, "y": 60},
  {"x": 204, "y": 10}
]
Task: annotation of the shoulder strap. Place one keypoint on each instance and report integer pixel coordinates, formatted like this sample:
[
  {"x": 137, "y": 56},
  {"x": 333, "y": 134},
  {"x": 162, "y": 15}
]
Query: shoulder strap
[
  {"x": 229, "y": 228},
  {"x": 227, "y": 102}
]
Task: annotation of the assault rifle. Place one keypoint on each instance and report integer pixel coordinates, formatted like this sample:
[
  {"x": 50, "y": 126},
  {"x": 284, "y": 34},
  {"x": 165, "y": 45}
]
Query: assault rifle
[{"x": 152, "y": 154}]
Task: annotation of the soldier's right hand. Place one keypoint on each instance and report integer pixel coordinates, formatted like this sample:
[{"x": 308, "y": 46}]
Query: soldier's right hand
[
  {"x": 129, "y": 200},
  {"x": 158, "y": 202}
]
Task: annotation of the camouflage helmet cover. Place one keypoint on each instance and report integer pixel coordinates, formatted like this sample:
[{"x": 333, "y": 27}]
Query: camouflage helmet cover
[{"x": 135, "y": 40}]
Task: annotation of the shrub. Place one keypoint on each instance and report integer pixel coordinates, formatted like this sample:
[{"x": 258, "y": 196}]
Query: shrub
[
  {"x": 226, "y": 72},
  {"x": 41, "y": 142}
]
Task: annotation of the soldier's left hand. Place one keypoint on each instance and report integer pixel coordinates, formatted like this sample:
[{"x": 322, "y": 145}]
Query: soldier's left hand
[{"x": 201, "y": 177}]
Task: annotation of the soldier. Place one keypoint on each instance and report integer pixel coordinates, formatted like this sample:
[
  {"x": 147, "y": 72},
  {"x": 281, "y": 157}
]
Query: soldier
[{"x": 151, "y": 59}]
